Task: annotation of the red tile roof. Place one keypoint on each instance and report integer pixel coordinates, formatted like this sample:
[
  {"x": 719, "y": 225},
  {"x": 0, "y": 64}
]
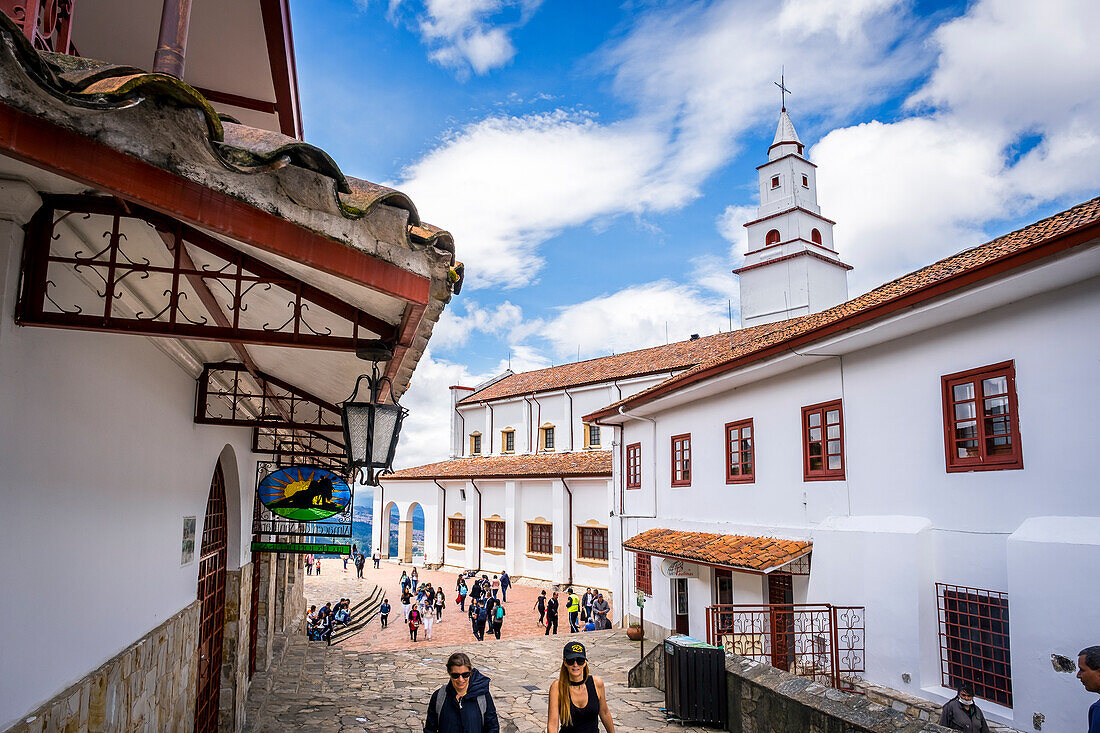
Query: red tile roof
[
  {"x": 654, "y": 360},
  {"x": 1057, "y": 233},
  {"x": 537, "y": 465},
  {"x": 736, "y": 551}
]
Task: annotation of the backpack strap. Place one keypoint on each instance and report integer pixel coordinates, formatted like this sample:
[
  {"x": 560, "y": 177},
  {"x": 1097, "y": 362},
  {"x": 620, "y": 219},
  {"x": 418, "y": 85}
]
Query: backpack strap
[
  {"x": 440, "y": 698},
  {"x": 482, "y": 705}
]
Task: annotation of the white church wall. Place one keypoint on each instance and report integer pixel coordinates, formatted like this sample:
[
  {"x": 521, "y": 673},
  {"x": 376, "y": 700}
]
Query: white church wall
[
  {"x": 830, "y": 284},
  {"x": 102, "y": 461}
]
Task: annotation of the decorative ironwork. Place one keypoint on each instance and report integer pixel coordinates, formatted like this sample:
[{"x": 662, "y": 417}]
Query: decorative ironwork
[
  {"x": 823, "y": 642},
  {"x": 267, "y": 523},
  {"x": 46, "y": 23},
  {"x": 229, "y": 395},
  {"x": 287, "y": 446},
  {"x": 974, "y": 641},
  {"x": 72, "y": 282}
]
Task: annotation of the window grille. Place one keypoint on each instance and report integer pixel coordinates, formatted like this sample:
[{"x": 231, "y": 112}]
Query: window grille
[
  {"x": 740, "y": 467},
  {"x": 593, "y": 544},
  {"x": 974, "y": 641},
  {"x": 540, "y": 538},
  {"x": 456, "y": 531},
  {"x": 634, "y": 466},
  {"x": 823, "y": 442},
  {"x": 475, "y": 445},
  {"x": 548, "y": 438},
  {"x": 509, "y": 441},
  {"x": 643, "y": 578},
  {"x": 681, "y": 460},
  {"x": 593, "y": 436},
  {"x": 981, "y": 429},
  {"x": 494, "y": 533}
]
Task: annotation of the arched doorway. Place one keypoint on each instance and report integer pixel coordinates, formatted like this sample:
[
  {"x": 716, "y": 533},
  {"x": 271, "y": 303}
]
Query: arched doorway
[
  {"x": 390, "y": 529},
  {"x": 212, "y": 562}
]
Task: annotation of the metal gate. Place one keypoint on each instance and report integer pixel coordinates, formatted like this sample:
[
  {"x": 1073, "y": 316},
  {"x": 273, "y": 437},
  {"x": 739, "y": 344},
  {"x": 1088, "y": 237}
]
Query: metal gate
[
  {"x": 815, "y": 640},
  {"x": 212, "y": 562}
]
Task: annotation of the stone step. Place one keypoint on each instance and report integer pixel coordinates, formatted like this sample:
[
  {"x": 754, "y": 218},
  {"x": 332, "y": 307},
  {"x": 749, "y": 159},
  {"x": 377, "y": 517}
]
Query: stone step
[{"x": 364, "y": 613}]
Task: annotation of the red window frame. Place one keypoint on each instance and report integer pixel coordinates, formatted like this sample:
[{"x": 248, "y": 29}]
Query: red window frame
[
  {"x": 494, "y": 534},
  {"x": 459, "y": 537},
  {"x": 815, "y": 235},
  {"x": 775, "y": 182},
  {"x": 805, "y": 181},
  {"x": 592, "y": 544},
  {"x": 681, "y": 460},
  {"x": 540, "y": 538},
  {"x": 634, "y": 466},
  {"x": 818, "y": 441},
  {"x": 974, "y": 641},
  {"x": 643, "y": 573},
  {"x": 960, "y": 406},
  {"x": 772, "y": 237},
  {"x": 740, "y": 458}
]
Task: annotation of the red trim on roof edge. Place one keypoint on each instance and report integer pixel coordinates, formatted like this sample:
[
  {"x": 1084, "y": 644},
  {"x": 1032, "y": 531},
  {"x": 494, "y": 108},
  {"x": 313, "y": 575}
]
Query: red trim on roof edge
[
  {"x": 74, "y": 156},
  {"x": 1060, "y": 243},
  {"x": 795, "y": 239},
  {"x": 459, "y": 386},
  {"x": 788, "y": 155},
  {"x": 803, "y": 253},
  {"x": 280, "y": 58},
  {"x": 787, "y": 211}
]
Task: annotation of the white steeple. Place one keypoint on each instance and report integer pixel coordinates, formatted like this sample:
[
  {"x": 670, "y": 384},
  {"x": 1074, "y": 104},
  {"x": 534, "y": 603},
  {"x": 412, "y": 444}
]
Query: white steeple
[{"x": 791, "y": 267}]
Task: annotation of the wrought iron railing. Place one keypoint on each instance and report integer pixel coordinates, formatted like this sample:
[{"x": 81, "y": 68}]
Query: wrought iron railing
[
  {"x": 46, "y": 23},
  {"x": 815, "y": 640}
]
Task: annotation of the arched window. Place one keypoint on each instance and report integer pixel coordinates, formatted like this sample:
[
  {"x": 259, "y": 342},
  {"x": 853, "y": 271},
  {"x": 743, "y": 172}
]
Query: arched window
[
  {"x": 815, "y": 236},
  {"x": 772, "y": 237}
]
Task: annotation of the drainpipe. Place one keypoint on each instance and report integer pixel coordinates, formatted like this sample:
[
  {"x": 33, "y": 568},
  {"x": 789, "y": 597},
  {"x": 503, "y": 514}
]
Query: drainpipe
[
  {"x": 443, "y": 534},
  {"x": 649, "y": 419},
  {"x": 474, "y": 484},
  {"x": 570, "y": 397},
  {"x": 461, "y": 432},
  {"x": 175, "y": 16},
  {"x": 530, "y": 441},
  {"x": 538, "y": 421},
  {"x": 569, "y": 527},
  {"x": 490, "y": 427}
]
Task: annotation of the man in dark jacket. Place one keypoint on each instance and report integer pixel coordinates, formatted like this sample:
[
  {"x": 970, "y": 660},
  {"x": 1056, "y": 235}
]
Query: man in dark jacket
[
  {"x": 552, "y": 614},
  {"x": 463, "y": 705},
  {"x": 960, "y": 713},
  {"x": 1088, "y": 671}
]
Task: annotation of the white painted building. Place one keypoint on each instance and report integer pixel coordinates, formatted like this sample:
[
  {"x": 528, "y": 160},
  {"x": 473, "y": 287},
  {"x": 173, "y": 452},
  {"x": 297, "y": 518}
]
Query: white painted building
[{"x": 920, "y": 452}]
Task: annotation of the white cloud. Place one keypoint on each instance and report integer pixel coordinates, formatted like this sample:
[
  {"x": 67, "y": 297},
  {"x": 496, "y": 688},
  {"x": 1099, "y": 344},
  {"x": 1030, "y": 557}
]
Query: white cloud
[
  {"x": 731, "y": 225},
  {"x": 454, "y": 329}
]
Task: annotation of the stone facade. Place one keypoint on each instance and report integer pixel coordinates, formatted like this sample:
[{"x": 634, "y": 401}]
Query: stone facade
[
  {"x": 265, "y": 611},
  {"x": 234, "y": 672},
  {"x": 150, "y": 685}
]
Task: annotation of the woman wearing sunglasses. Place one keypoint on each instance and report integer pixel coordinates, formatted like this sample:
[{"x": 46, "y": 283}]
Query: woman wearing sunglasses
[
  {"x": 464, "y": 704},
  {"x": 577, "y": 698}
]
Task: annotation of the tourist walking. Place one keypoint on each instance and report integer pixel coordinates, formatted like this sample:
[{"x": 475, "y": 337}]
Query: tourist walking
[
  {"x": 415, "y": 620},
  {"x": 377, "y": 557},
  {"x": 586, "y": 604},
  {"x": 479, "y": 615},
  {"x": 414, "y": 577},
  {"x": 498, "y": 619},
  {"x": 540, "y": 606},
  {"x": 462, "y": 591},
  {"x": 309, "y": 564},
  {"x": 505, "y": 584},
  {"x": 464, "y": 704},
  {"x": 360, "y": 561},
  {"x": 404, "y": 580},
  {"x": 317, "y": 565},
  {"x": 406, "y": 602},
  {"x": 1088, "y": 671},
  {"x": 577, "y": 700},
  {"x": 384, "y": 612},
  {"x": 495, "y": 586},
  {"x": 427, "y": 615},
  {"x": 573, "y": 606},
  {"x": 440, "y": 603},
  {"x": 600, "y": 609},
  {"x": 552, "y": 614},
  {"x": 960, "y": 713}
]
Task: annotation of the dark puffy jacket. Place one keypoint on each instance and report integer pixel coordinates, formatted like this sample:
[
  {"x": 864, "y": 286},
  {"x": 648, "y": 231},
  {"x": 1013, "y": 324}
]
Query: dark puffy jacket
[
  {"x": 464, "y": 717},
  {"x": 956, "y": 717}
]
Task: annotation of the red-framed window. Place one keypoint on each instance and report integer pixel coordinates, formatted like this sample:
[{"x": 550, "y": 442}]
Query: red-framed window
[
  {"x": 540, "y": 538},
  {"x": 805, "y": 181},
  {"x": 740, "y": 466},
  {"x": 815, "y": 236},
  {"x": 593, "y": 543},
  {"x": 634, "y": 466},
  {"x": 980, "y": 420},
  {"x": 772, "y": 237},
  {"x": 974, "y": 641},
  {"x": 494, "y": 534},
  {"x": 775, "y": 181},
  {"x": 643, "y": 578},
  {"x": 681, "y": 460},
  {"x": 456, "y": 531},
  {"x": 823, "y": 442}
]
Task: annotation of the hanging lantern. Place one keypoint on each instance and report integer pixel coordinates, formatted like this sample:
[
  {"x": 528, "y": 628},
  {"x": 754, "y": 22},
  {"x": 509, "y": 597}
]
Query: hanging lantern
[{"x": 371, "y": 428}]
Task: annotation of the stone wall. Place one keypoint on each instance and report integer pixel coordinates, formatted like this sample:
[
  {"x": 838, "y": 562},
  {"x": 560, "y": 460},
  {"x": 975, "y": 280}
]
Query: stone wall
[
  {"x": 265, "y": 611},
  {"x": 234, "y": 671},
  {"x": 150, "y": 685}
]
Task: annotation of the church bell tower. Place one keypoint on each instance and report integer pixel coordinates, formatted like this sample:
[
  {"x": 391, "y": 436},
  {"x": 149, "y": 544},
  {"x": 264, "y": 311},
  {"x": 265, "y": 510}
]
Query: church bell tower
[{"x": 791, "y": 267}]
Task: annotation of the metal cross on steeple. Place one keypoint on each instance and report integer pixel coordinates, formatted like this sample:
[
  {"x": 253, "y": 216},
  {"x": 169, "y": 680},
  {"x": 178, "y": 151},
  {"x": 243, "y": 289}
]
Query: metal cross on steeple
[{"x": 783, "y": 91}]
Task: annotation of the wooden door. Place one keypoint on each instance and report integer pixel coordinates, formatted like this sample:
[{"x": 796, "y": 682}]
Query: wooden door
[
  {"x": 723, "y": 596},
  {"x": 780, "y": 598},
  {"x": 680, "y": 604},
  {"x": 212, "y": 562}
]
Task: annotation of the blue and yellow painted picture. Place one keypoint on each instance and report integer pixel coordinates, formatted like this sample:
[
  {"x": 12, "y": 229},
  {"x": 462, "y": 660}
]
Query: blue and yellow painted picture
[{"x": 304, "y": 493}]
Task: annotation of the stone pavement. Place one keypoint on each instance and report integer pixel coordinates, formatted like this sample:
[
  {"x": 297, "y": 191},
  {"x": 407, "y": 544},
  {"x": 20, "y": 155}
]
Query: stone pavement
[
  {"x": 521, "y": 620},
  {"x": 315, "y": 687}
]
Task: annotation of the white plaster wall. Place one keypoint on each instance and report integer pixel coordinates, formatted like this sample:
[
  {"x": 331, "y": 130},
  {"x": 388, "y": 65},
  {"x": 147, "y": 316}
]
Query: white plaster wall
[{"x": 101, "y": 461}]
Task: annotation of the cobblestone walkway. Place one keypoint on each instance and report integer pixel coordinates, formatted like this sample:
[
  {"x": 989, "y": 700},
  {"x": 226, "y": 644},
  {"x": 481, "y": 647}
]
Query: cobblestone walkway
[{"x": 314, "y": 687}]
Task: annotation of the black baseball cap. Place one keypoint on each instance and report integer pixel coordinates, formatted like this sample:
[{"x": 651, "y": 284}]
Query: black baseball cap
[{"x": 574, "y": 650}]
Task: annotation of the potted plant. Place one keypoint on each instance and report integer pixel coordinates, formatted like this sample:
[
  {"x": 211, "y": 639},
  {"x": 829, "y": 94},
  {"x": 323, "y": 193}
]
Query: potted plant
[{"x": 635, "y": 632}]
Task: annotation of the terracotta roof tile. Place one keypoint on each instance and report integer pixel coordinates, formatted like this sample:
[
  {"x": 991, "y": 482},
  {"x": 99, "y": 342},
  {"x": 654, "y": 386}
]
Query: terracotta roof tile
[
  {"x": 577, "y": 463},
  {"x": 731, "y": 550},
  {"x": 654, "y": 360},
  {"x": 927, "y": 282}
]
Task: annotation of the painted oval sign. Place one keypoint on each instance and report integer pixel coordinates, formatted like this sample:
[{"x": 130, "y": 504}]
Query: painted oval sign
[
  {"x": 679, "y": 569},
  {"x": 304, "y": 493}
]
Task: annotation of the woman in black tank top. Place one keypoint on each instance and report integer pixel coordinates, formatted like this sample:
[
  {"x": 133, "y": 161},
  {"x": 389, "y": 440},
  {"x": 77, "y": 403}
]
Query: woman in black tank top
[{"x": 577, "y": 699}]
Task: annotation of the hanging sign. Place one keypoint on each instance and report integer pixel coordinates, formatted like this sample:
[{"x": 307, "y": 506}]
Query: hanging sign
[
  {"x": 302, "y": 548},
  {"x": 679, "y": 569},
  {"x": 304, "y": 493}
]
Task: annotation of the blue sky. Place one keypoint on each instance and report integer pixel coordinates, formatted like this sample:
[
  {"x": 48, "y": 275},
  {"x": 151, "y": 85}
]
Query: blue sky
[{"x": 595, "y": 160}]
